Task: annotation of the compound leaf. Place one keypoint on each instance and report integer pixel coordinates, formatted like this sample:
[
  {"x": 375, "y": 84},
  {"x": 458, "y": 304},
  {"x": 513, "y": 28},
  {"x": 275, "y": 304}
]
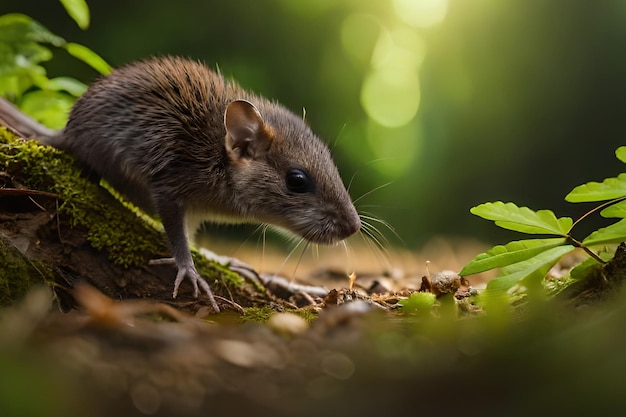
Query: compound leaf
[
  {"x": 511, "y": 253},
  {"x": 608, "y": 189},
  {"x": 621, "y": 153},
  {"x": 522, "y": 219},
  {"x": 617, "y": 210},
  {"x": 534, "y": 268},
  {"x": 614, "y": 233}
]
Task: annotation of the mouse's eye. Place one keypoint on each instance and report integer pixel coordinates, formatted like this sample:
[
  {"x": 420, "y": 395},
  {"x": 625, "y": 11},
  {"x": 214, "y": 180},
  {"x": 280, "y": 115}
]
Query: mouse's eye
[{"x": 298, "y": 181}]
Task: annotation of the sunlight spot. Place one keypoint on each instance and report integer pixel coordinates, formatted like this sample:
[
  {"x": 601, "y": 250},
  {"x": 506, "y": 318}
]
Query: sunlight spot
[
  {"x": 391, "y": 96},
  {"x": 400, "y": 48},
  {"x": 421, "y": 13}
]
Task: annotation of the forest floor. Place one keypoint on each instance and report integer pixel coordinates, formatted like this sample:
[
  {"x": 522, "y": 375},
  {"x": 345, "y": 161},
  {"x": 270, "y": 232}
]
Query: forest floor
[{"x": 82, "y": 335}]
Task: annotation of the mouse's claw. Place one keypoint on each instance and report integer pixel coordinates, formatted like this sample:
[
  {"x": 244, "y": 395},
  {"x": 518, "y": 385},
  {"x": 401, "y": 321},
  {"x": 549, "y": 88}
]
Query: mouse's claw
[{"x": 198, "y": 282}]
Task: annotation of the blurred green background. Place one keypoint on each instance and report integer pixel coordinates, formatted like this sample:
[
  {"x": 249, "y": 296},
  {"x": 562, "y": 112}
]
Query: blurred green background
[{"x": 454, "y": 102}]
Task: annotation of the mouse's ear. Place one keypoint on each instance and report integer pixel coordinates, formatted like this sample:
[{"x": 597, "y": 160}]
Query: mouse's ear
[{"x": 246, "y": 133}]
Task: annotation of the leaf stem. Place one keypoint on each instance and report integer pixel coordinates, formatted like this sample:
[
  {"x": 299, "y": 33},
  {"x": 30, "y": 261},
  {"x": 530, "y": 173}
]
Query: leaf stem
[
  {"x": 600, "y": 207},
  {"x": 586, "y": 249}
]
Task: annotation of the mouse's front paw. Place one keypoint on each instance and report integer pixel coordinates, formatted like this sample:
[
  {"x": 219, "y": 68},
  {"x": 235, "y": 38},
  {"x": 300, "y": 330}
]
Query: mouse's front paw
[
  {"x": 197, "y": 281},
  {"x": 188, "y": 271}
]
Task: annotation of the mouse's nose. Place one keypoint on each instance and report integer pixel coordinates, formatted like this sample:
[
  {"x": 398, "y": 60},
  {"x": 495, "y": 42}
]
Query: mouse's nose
[{"x": 350, "y": 225}]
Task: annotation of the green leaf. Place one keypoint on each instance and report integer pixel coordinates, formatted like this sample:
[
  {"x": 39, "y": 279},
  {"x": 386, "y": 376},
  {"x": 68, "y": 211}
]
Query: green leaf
[
  {"x": 614, "y": 233},
  {"x": 25, "y": 54},
  {"x": 523, "y": 219},
  {"x": 621, "y": 153},
  {"x": 18, "y": 28},
  {"x": 608, "y": 189},
  {"x": 48, "y": 107},
  {"x": 534, "y": 268},
  {"x": 17, "y": 80},
  {"x": 511, "y": 253},
  {"x": 617, "y": 210},
  {"x": 89, "y": 57},
  {"x": 68, "y": 84},
  {"x": 78, "y": 10}
]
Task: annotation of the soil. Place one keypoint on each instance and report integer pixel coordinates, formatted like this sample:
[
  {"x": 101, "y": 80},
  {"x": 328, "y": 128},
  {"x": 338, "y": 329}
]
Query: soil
[{"x": 97, "y": 338}]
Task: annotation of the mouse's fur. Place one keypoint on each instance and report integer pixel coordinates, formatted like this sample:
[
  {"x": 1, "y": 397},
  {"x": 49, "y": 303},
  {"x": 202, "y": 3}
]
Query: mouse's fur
[{"x": 179, "y": 140}]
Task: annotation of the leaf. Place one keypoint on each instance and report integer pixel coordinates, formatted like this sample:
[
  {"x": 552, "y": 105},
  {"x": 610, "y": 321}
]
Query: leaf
[
  {"x": 17, "y": 80},
  {"x": 48, "y": 107},
  {"x": 78, "y": 10},
  {"x": 608, "y": 189},
  {"x": 18, "y": 28},
  {"x": 523, "y": 219},
  {"x": 614, "y": 233},
  {"x": 511, "y": 253},
  {"x": 89, "y": 57},
  {"x": 617, "y": 210},
  {"x": 621, "y": 153},
  {"x": 26, "y": 54},
  {"x": 534, "y": 268},
  {"x": 68, "y": 84}
]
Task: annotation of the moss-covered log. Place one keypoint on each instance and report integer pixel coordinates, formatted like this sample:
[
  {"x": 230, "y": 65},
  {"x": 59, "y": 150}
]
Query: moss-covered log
[{"x": 59, "y": 225}]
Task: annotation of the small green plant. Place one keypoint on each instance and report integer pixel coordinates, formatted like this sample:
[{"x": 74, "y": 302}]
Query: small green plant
[
  {"x": 24, "y": 45},
  {"x": 528, "y": 261}
]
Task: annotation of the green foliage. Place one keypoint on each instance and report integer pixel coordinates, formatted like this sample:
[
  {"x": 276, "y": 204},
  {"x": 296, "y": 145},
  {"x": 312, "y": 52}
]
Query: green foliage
[
  {"x": 24, "y": 45},
  {"x": 523, "y": 219},
  {"x": 419, "y": 303},
  {"x": 78, "y": 10},
  {"x": 528, "y": 261}
]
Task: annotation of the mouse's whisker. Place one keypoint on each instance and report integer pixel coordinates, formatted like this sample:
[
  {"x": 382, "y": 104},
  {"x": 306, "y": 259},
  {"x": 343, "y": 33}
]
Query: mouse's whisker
[
  {"x": 316, "y": 251},
  {"x": 359, "y": 170},
  {"x": 377, "y": 248},
  {"x": 350, "y": 259},
  {"x": 339, "y": 135},
  {"x": 374, "y": 236},
  {"x": 369, "y": 217},
  {"x": 262, "y": 228},
  {"x": 373, "y": 190},
  {"x": 289, "y": 255},
  {"x": 295, "y": 270}
]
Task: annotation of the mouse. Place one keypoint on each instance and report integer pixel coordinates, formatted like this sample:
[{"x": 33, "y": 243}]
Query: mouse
[{"x": 181, "y": 141}]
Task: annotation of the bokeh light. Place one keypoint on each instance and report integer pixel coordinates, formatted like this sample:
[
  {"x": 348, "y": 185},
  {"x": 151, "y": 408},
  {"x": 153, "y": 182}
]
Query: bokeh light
[
  {"x": 391, "y": 96},
  {"x": 421, "y": 13}
]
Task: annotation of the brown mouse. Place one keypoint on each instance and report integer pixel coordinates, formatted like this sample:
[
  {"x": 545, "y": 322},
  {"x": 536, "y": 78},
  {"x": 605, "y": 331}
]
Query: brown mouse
[{"x": 182, "y": 142}]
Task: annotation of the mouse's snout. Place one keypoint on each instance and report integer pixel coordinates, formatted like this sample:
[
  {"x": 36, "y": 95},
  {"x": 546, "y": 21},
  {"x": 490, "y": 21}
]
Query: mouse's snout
[
  {"x": 352, "y": 225},
  {"x": 346, "y": 224}
]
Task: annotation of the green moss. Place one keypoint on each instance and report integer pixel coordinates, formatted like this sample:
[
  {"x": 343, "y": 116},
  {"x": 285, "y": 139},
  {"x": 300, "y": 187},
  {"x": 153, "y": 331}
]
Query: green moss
[
  {"x": 214, "y": 270},
  {"x": 110, "y": 227},
  {"x": 257, "y": 314},
  {"x": 18, "y": 274},
  {"x": 262, "y": 314},
  {"x": 126, "y": 235},
  {"x": 308, "y": 314}
]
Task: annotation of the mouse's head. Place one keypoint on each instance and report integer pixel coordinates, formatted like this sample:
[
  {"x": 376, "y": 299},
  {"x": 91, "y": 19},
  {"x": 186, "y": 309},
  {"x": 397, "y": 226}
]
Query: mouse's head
[{"x": 282, "y": 174}]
